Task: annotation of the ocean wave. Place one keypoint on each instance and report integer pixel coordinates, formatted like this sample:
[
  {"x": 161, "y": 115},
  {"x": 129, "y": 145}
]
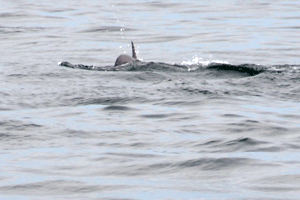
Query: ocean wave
[{"x": 248, "y": 69}]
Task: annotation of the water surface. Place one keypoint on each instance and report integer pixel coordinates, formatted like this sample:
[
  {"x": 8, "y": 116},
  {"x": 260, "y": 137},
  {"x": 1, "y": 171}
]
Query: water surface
[{"x": 211, "y": 112}]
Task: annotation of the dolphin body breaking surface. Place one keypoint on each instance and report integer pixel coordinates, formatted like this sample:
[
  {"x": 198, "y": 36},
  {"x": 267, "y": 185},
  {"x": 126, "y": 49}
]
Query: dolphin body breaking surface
[
  {"x": 246, "y": 69},
  {"x": 124, "y": 58}
]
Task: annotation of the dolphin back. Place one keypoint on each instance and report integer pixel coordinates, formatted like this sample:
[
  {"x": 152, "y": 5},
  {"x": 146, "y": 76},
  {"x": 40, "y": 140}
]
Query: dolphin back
[{"x": 124, "y": 58}]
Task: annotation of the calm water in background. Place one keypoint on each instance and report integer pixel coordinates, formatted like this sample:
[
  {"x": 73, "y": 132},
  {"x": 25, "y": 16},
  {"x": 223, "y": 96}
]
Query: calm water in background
[{"x": 152, "y": 132}]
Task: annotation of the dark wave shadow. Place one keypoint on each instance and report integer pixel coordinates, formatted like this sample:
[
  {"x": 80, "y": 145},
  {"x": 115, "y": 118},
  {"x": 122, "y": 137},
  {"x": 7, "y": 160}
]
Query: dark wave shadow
[
  {"x": 117, "y": 108},
  {"x": 249, "y": 69}
]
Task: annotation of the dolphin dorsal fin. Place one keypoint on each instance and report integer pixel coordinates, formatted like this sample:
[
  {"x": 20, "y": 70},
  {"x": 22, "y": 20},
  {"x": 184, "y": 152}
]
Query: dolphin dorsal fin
[{"x": 133, "y": 51}]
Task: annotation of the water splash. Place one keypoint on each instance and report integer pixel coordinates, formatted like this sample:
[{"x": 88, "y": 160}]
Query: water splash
[{"x": 200, "y": 61}]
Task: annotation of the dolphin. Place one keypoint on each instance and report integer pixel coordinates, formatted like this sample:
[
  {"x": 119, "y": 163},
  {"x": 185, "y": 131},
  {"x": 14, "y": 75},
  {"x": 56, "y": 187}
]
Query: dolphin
[{"x": 124, "y": 58}]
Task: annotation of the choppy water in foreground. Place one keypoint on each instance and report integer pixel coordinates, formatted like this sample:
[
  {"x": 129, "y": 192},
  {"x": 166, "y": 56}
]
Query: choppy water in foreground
[{"x": 212, "y": 111}]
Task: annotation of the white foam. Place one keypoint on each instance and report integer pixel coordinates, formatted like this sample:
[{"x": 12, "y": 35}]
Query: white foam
[
  {"x": 197, "y": 60},
  {"x": 59, "y": 63}
]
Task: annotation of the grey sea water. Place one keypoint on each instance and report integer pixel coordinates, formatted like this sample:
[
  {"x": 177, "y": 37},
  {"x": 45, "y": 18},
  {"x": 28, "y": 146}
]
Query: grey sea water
[{"x": 210, "y": 112}]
